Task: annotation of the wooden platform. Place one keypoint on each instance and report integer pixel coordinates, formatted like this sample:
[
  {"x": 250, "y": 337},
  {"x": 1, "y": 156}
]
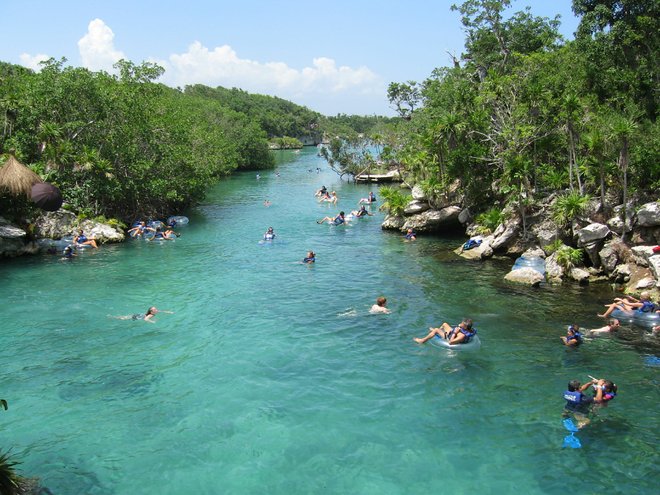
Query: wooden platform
[{"x": 392, "y": 176}]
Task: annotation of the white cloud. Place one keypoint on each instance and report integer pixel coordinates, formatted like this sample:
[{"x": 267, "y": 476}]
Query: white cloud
[
  {"x": 97, "y": 49},
  {"x": 222, "y": 66},
  {"x": 32, "y": 62}
]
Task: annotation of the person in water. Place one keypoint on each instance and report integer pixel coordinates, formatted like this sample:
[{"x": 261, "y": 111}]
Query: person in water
[
  {"x": 310, "y": 258},
  {"x": 379, "y": 307},
  {"x": 460, "y": 334},
  {"x": 83, "y": 240},
  {"x": 410, "y": 235},
  {"x": 611, "y": 327},
  {"x": 267, "y": 203},
  {"x": 139, "y": 229},
  {"x": 362, "y": 212},
  {"x": 573, "y": 336},
  {"x": 148, "y": 316},
  {"x": 321, "y": 192},
  {"x": 160, "y": 235},
  {"x": 68, "y": 253},
  {"x": 338, "y": 220},
  {"x": 269, "y": 235},
  {"x": 330, "y": 198},
  {"x": 370, "y": 199},
  {"x": 579, "y": 405},
  {"x": 629, "y": 304}
]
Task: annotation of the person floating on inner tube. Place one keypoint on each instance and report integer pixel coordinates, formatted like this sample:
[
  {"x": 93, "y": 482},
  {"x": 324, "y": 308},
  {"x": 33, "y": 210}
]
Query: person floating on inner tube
[
  {"x": 573, "y": 336},
  {"x": 460, "y": 334},
  {"x": 269, "y": 235},
  {"x": 362, "y": 212},
  {"x": 160, "y": 235},
  {"x": 321, "y": 192},
  {"x": 628, "y": 304},
  {"x": 82, "y": 239},
  {"x": 338, "y": 220},
  {"x": 370, "y": 199},
  {"x": 140, "y": 229},
  {"x": 310, "y": 258}
]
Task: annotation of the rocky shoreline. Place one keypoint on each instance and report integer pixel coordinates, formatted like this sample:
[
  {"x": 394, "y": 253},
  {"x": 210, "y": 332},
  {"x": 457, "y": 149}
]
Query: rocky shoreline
[{"x": 605, "y": 255}]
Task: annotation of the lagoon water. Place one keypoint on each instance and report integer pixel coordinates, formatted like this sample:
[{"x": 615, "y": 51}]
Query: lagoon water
[{"x": 271, "y": 376}]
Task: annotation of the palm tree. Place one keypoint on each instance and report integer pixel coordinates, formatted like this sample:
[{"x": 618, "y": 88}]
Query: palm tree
[{"x": 623, "y": 128}]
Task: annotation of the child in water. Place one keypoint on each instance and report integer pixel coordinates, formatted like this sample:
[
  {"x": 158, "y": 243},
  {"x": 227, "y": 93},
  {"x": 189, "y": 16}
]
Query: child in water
[{"x": 379, "y": 307}]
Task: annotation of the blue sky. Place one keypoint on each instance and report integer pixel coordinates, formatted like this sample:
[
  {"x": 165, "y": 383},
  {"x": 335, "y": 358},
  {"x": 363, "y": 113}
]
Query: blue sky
[{"x": 334, "y": 57}]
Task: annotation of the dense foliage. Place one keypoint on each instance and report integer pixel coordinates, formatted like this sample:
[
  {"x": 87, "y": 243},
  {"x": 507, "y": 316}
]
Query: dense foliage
[
  {"x": 524, "y": 113},
  {"x": 122, "y": 145}
]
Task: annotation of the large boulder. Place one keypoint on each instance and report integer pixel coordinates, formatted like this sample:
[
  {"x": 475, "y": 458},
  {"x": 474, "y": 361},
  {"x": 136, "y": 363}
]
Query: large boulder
[
  {"x": 418, "y": 193},
  {"x": 621, "y": 273},
  {"x": 465, "y": 216},
  {"x": 526, "y": 276},
  {"x": 102, "y": 232},
  {"x": 591, "y": 233},
  {"x": 534, "y": 252},
  {"x": 579, "y": 275},
  {"x": 609, "y": 257},
  {"x": 12, "y": 239},
  {"x": 60, "y": 223},
  {"x": 434, "y": 220},
  {"x": 506, "y": 233},
  {"x": 648, "y": 215},
  {"x": 546, "y": 232},
  {"x": 480, "y": 252},
  {"x": 554, "y": 272},
  {"x": 654, "y": 265},
  {"x": 393, "y": 222},
  {"x": 641, "y": 254},
  {"x": 415, "y": 207}
]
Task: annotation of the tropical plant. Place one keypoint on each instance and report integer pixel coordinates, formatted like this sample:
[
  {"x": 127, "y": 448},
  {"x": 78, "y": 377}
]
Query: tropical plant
[
  {"x": 569, "y": 257},
  {"x": 9, "y": 479},
  {"x": 394, "y": 201},
  {"x": 568, "y": 207},
  {"x": 491, "y": 219},
  {"x": 553, "y": 246}
]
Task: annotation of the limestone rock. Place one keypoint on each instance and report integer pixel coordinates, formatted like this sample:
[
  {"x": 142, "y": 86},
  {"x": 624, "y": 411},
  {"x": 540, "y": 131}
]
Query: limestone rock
[
  {"x": 12, "y": 239},
  {"x": 641, "y": 254},
  {"x": 553, "y": 270},
  {"x": 527, "y": 276},
  {"x": 579, "y": 275},
  {"x": 393, "y": 222},
  {"x": 616, "y": 225},
  {"x": 55, "y": 224},
  {"x": 535, "y": 252},
  {"x": 645, "y": 283},
  {"x": 621, "y": 273},
  {"x": 609, "y": 258},
  {"x": 433, "y": 220},
  {"x": 415, "y": 207},
  {"x": 480, "y": 252},
  {"x": 464, "y": 216},
  {"x": 102, "y": 232},
  {"x": 592, "y": 232},
  {"x": 649, "y": 215},
  {"x": 506, "y": 233},
  {"x": 418, "y": 194},
  {"x": 654, "y": 265}
]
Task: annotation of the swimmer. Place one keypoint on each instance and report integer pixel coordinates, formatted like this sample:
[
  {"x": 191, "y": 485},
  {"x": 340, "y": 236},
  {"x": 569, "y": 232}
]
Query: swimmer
[
  {"x": 460, "y": 334},
  {"x": 321, "y": 192},
  {"x": 258, "y": 176},
  {"x": 362, "y": 212},
  {"x": 310, "y": 258},
  {"x": 611, "y": 327},
  {"x": 410, "y": 235},
  {"x": 68, "y": 253},
  {"x": 267, "y": 203},
  {"x": 379, "y": 307},
  {"x": 83, "y": 240},
  {"x": 578, "y": 404},
  {"x": 158, "y": 234},
  {"x": 338, "y": 220},
  {"x": 269, "y": 235},
  {"x": 573, "y": 336},
  {"x": 148, "y": 316}
]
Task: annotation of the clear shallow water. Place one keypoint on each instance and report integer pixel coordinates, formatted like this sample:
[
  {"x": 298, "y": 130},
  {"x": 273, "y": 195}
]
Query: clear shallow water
[{"x": 271, "y": 376}]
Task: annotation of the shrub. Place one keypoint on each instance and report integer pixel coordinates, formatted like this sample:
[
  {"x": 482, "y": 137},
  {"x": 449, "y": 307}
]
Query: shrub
[
  {"x": 394, "y": 200},
  {"x": 491, "y": 219},
  {"x": 568, "y": 257},
  {"x": 9, "y": 480},
  {"x": 568, "y": 207},
  {"x": 552, "y": 247}
]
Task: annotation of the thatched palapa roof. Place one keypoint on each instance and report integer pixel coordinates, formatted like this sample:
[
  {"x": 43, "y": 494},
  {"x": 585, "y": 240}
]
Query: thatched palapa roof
[{"x": 17, "y": 178}]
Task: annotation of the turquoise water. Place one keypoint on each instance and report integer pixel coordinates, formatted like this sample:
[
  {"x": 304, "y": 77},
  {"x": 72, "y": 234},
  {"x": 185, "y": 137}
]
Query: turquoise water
[{"x": 271, "y": 376}]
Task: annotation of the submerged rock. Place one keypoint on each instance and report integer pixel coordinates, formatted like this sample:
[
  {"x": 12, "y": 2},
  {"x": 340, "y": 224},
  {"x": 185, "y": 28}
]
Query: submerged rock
[{"x": 580, "y": 275}]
